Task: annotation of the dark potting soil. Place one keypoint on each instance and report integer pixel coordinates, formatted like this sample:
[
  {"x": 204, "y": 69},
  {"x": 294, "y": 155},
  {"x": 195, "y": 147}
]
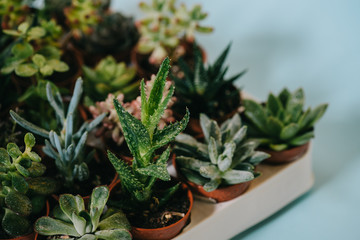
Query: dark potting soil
[{"x": 174, "y": 210}]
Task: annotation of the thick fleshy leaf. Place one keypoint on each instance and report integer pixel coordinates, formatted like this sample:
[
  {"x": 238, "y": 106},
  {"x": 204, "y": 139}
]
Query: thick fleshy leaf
[
  {"x": 15, "y": 225},
  {"x": 22, "y": 50},
  {"x": 39, "y": 60},
  {"x": 36, "y": 33},
  {"x": 13, "y": 150},
  {"x": 273, "y": 104},
  {"x": 42, "y": 185},
  {"x": 48, "y": 226},
  {"x": 302, "y": 139},
  {"x": 289, "y": 131},
  {"x": 316, "y": 114},
  {"x": 258, "y": 157},
  {"x": 19, "y": 183},
  {"x": 212, "y": 185},
  {"x": 26, "y": 69},
  {"x": 99, "y": 198},
  {"x": 159, "y": 169},
  {"x": 278, "y": 147},
  {"x": 243, "y": 152},
  {"x": 284, "y": 96},
  {"x": 58, "y": 65},
  {"x": 69, "y": 204},
  {"x": 88, "y": 237},
  {"x": 4, "y": 157},
  {"x": 34, "y": 156},
  {"x": 237, "y": 176},
  {"x": 193, "y": 176},
  {"x": 256, "y": 114},
  {"x": 29, "y": 140},
  {"x": 19, "y": 203},
  {"x": 115, "y": 221},
  {"x": 36, "y": 169},
  {"x": 211, "y": 172},
  {"x": 28, "y": 125},
  {"x": 274, "y": 126},
  {"x": 191, "y": 163},
  {"x": 213, "y": 152},
  {"x": 113, "y": 234},
  {"x": 79, "y": 223}
]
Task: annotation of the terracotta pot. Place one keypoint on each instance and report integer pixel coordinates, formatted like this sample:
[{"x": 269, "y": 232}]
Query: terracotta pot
[
  {"x": 29, "y": 236},
  {"x": 168, "y": 232},
  {"x": 221, "y": 194},
  {"x": 286, "y": 156}
]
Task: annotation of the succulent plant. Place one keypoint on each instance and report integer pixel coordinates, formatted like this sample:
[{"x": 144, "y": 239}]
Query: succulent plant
[
  {"x": 65, "y": 146},
  {"x": 226, "y": 156},
  {"x": 143, "y": 139},
  {"x": 165, "y": 25},
  {"x": 22, "y": 189},
  {"x": 12, "y": 13},
  {"x": 204, "y": 89},
  {"x": 112, "y": 122},
  {"x": 72, "y": 221},
  {"x": 110, "y": 77},
  {"x": 281, "y": 122},
  {"x": 114, "y": 34}
]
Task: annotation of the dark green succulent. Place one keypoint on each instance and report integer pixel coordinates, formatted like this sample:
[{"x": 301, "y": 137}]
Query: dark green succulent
[
  {"x": 281, "y": 122},
  {"x": 204, "y": 89},
  {"x": 226, "y": 157},
  {"x": 22, "y": 188},
  {"x": 72, "y": 221},
  {"x": 65, "y": 144},
  {"x": 143, "y": 139}
]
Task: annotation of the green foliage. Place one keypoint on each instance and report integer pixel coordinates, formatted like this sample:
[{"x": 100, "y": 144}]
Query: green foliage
[
  {"x": 144, "y": 138},
  {"x": 205, "y": 89},
  {"x": 281, "y": 123},
  {"x": 110, "y": 77},
  {"x": 12, "y": 13},
  {"x": 21, "y": 186},
  {"x": 65, "y": 145},
  {"x": 226, "y": 156},
  {"x": 72, "y": 220},
  {"x": 165, "y": 25}
]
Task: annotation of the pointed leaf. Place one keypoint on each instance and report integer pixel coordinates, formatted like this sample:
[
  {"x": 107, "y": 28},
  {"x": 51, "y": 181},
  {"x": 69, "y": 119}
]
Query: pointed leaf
[
  {"x": 212, "y": 185},
  {"x": 209, "y": 171},
  {"x": 213, "y": 153},
  {"x": 274, "y": 126},
  {"x": 79, "y": 223},
  {"x": 289, "y": 131},
  {"x": 48, "y": 226},
  {"x": 255, "y": 113},
  {"x": 258, "y": 157},
  {"x": 70, "y": 204},
  {"x": 75, "y": 97},
  {"x": 191, "y": 163},
  {"x": 302, "y": 139},
  {"x": 28, "y": 125},
  {"x": 115, "y": 221},
  {"x": 99, "y": 198},
  {"x": 237, "y": 176}
]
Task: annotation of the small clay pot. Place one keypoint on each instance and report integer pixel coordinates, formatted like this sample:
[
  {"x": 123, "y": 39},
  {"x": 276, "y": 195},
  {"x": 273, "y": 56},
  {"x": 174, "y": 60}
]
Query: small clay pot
[
  {"x": 286, "y": 156},
  {"x": 29, "y": 236},
  {"x": 167, "y": 232},
  {"x": 221, "y": 194}
]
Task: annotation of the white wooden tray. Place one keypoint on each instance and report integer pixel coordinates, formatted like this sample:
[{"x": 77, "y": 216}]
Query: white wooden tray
[{"x": 273, "y": 190}]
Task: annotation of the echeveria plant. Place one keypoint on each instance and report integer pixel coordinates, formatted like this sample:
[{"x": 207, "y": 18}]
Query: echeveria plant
[{"x": 281, "y": 122}]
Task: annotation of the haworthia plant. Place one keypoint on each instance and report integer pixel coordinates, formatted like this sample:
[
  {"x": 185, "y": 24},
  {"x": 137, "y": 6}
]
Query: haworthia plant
[
  {"x": 65, "y": 145},
  {"x": 22, "y": 189},
  {"x": 204, "y": 89},
  {"x": 72, "y": 221},
  {"x": 144, "y": 138},
  {"x": 281, "y": 122},
  {"x": 226, "y": 156}
]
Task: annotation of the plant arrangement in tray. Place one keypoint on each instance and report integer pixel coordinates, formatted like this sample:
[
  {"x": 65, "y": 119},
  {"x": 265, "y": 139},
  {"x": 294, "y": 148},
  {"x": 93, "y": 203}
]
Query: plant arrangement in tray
[
  {"x": 226, "y": 157},
  {"x": 143, "y": 197},
  {"x": 166, "y": 30},
  {"x": 23, "y": 189},
  {"x": 111, "y": 122},
  {"x": 110, "y": 77},
  {"x": 66, "y": 144},
  {"x": 281, "y": 123},
  {"x": 204, "y": 89},
  {"x": 71, "y": 220}
]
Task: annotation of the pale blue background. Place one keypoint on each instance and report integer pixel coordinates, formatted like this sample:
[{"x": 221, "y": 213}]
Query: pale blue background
[{"x": 314, "y": 44}]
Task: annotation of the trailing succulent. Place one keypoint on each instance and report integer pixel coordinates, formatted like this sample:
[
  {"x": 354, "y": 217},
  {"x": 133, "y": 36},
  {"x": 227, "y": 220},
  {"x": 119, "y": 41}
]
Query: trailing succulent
[
  {"x": 144, "y": 138},
  {"x": 204, "y": 89},
  {"x": 226, "y": 156},
  {"x": 281, "y": 123},
  {"x": 22, "y": 188},
  {"x": 72, "y": 221},
  {"x": 165, "y": 25},
  {"x": 65, "y": 145},
  {"x": 110, "y": 77}
]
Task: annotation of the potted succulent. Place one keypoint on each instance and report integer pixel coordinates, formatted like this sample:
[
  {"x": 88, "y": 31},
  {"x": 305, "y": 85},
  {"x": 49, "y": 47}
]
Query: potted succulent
[
  {"x": 66, "y": 145},
  {"x": 281, "y": 124},
  {"x": 166, "y": 30},
  {"x": 71, "y": 220},
  {"x": 204, "y": 89},
  {"x": 23, "y": 189},
  {"x": 150, "y": 204},
  {"x": 111, "y": 123},
  {"x": 110, "y": 77},
  {"x": 221, "y": 167}
]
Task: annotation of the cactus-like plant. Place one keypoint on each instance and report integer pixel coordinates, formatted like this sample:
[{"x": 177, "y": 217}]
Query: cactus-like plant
[
  {"x": 110, "y": 77},
  {"x": 204, "y": 89},
  {"x": 22, "y": 189},
  {"x": 143, "y": 139},
  {"x": 72, "y": 221},
  {"x": 226, "y": 156},
  {"x": 282, "y": 123},
  {"x": 165, "y": 25},
  {"x": 65, "y": 145}
]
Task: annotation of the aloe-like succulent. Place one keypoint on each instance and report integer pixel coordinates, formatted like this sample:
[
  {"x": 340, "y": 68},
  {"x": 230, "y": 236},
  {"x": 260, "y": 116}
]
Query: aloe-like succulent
[
  {"x": 143, "y": 139},
  {"x": 165, "y": 25},
  {"x": 110, "y": 77},
  {"x": 65, "y": 145},
  {"x": 204, "y": 89},
  {"x": 281, "y": 122},
  {"x": 226, "y": 156},
  {"x": 72, "y": 221},
  {"x": 22, "y": 189}
]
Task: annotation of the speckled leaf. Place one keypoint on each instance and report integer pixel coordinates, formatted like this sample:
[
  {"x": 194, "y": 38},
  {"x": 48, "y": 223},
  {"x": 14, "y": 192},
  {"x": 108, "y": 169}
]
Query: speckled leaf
[
  {"x": 237, "y": 176},
  {"x": 99, "y": 198},
  {"x": 15, "y": 225},
  {"x": 29, "y": 140},
  {"x": 37, "y": 169},
  {"x": 212, "y": 185},
  {"x": 13, "y": 150},
  {"x": 113, "y": 234},
  {"x": 4, "y": 157},
  {"x": 115, "y": 221},
  {"x": 258, "y": 157},
  {"x": 210, "y": 171},
  {"x": 191, "y": 163},
  {"x": 19, "y": 203},
  {"x": 42, "y": 185},
  {"x": 69, "y": 204},
  {"x": 213, "y": 153},
  {"x": 26, "y": 69},
  {"x": 193, "y": 176},
  {"x": 48, "y": 226},
  {"x": 19, "y": 183}
]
